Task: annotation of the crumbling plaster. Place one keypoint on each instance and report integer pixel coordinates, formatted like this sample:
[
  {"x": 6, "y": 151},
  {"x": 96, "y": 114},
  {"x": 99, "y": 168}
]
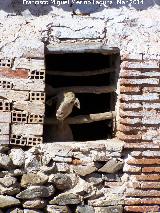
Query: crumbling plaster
[{"x": 24, "y": 32}]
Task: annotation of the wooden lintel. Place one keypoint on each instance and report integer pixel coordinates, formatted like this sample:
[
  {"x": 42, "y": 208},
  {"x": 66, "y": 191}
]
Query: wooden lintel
[
  {"x": 81, "y": 119},
  {"x": 81, "y": 89},
  {"x": 83, "y": 73}
]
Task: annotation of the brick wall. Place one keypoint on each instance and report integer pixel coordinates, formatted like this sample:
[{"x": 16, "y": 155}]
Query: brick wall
[
  {"x": 139, "y": 128},
  {"x": 21, "y": 101}
]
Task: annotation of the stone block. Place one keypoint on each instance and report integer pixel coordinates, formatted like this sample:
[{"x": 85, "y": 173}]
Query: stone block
[
  {"x": 84, "y": 170},
  {"x": 57, "y": 208},
  {"x": 85, "y": 209},
  {"x": 36, "y": 192},
  {"x": 17, "y": 156},
  {"x": 33, "y": 179},
  {"x": 112, "y": 166},
  {"x": 66, "y": 198},
  {"x": 35, "y": 204},
  {"x": 7, "y": 201},
  {"x": 110, "y": 209}
]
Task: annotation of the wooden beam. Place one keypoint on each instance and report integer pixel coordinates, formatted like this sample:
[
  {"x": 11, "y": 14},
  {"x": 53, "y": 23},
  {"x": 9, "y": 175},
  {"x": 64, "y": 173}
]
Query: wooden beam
[
  {"x": 80, "y": 89},
  {"x": 83, "y": 73},
  {"x": 81, "y": 119}
]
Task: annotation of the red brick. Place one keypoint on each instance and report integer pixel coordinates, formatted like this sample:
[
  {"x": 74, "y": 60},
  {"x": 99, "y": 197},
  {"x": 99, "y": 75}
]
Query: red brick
[
  {"x": 76, "y": 161},
  {"x": 151, "y": 89},
  {"x": 140, "y": 65},
  {"x": 143, "y": 209},
  {"x": 130, "y": 89},
  {"x": 131, "y": 106},
  {"x": 139, "y": 81},
  {"x": 128, "y": 137},
  {"x": 136, "y": 153},
  {"x": 151, "y": 169},
  {"x": 142, "y": 145},
  {"x": 150, "y": 185},
  {"x": 144, "y": 161},
  {"x": 132, "y": 169},
  {"x": 127, "y": 128},
  {"x": 138, "y": 201},
  {"x": 153, "y": 177},
  {"x": 130, "y": 113},
  {"x": 132, "y": 201},
  {"x": 141, "y": 193},
  {"x": 135, "y": 185},
  {"x": 131, "y": 121},
  {"x": 149, "y": 153},
  {"x": 18, "y": 73}
]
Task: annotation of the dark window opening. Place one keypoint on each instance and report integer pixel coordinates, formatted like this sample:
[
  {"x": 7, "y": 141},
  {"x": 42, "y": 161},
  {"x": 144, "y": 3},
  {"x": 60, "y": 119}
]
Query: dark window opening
[{"x": 83, "y": 70}]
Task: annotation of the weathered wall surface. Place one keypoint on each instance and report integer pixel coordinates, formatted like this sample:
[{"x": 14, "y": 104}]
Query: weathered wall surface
[
  {"x": 60, "y": 177},
  {"x": 25, "y": 31}
]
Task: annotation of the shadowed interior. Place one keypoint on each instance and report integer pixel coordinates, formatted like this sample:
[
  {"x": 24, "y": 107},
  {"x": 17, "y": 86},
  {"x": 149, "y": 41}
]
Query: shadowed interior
[{"x": 90, "y": 103}]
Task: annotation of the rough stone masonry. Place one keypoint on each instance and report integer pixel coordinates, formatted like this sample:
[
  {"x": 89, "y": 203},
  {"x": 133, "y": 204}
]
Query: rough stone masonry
[{"x": 117, "y": 175}]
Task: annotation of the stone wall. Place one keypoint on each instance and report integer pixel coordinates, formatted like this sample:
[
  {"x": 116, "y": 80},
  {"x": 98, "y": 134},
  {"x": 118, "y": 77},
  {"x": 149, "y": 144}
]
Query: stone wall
[{"x": 63, "y": 177}]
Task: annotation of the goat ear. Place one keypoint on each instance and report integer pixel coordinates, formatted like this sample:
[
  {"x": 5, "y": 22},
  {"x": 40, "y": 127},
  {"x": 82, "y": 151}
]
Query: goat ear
[{"x": 77, "y": 103}]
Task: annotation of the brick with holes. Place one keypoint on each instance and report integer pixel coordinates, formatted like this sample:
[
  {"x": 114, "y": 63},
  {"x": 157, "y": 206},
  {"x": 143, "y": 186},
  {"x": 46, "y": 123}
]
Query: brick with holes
[
  {"x": 5, "y": 84},
  {"x": 18, "y": 140},
  {"x": 37, "y": 74},
  {"x": 37, "y": 96},
  {"x": 5, "y": 105},
  {"x": 6, "y": 63},
  {"x": 19, "y": 117},
  {"x": 34, "y": 140},
  {"x": 32, "y": 118}
]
